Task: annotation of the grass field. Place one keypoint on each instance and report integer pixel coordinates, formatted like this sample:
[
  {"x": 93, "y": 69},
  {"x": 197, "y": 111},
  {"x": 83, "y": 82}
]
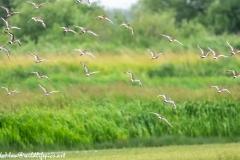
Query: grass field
[{"x": 229, "y": 151}]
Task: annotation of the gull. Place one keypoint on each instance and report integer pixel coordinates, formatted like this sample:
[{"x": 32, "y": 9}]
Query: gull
[
  {"x": 79, "y": 1},
  {"x": 87, "y": 30},
  {"x": 167, "y": 100},
  {"x": 12, "y": 40},
  {"x": 36, "y": 5},
  {"x": 6, "y": 50},
  {"x": 88, "y": 73},
  {"x": 9, "y": 13},
  {"x": 154, "y": 56},
  {"x": 235, "y": 74},
  {"x": 8, "y": 25},
  {"x": 216, "y": 55},
  {"x": 133, "y": 79},
  {"x": 233, "y": 51},
  {"x": 38, "y": 60},
  {"x": 46, "y": 92},
  {"x": 65, "y": 29},
  {"x": 204, "y": 55},
  {"x": 127, "y": 26},
  {"x": 40, "y": 76},
  {"x": 84, "y": 52},
  {"x": 220, "y": 89},
  {"x": 39, "y": 19},
  {"x": 171, "y": 39},
  {"x": 104, "y": 17},
  {"x": 10, "y": 92},
  {"x": 161, "y": 117}
]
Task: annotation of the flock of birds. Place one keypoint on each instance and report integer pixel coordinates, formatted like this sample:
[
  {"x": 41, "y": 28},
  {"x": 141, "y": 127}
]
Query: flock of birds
[{"x": 86, "y": 52}]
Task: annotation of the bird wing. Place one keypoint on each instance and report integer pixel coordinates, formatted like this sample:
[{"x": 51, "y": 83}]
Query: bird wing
[
  {"x": 200, "y": 49},
  {"x": 88, "y": 1},
  {"x": 34, "y": 55},
  {"x": 221, "y": 55},
  {"x": 16, "y": 91},
  {"x": 162, "y": 95},
  {"x": 11, "y": 35},
  {"x": 6, "y": 22},
  {"x": 90, "y": 54},
  {"x": 153, "y": 54},
  {"x": 131, "y": 30},
  {"x": 229, "y": 45},
  {"x": 87, "y": 71},
  {"x": 6, "y": 50},
  {"x": 16, "y": 28},
  {"x": 43, "y": 88},
  {"x": 154, "y": 113},
  {"x": 215, "y": 87},
  {"x": 139, "y": 81},
  {"x": 123, "y": 24},
  {"x": 95, "y": 72},
  {"x": 233, "y": 71},
  {"x": 44, "y": 25},
  {"x": 53, "y": 92},
  {"x": 212, "y": 50},
  {"x": 46, "y": 77},
  {"x": 72, "y": 31},
  {"x": 177, "y": 41},
  {"x": 166, "y": 36},
  {"x": 131, "y": 75},
  {"x": 98, "y": 17},
  {"x": 163, "y": 118},
  {"x": 83, "y": 29},
  {"x": 226, "y": 90},
  {"x": 6, "y": 9},
  {"x": 91, "y": 32},
  {"x": 109, "y": 20},
  {"x": 6, "y": 89},
  {"x": 170, "y": 101}
]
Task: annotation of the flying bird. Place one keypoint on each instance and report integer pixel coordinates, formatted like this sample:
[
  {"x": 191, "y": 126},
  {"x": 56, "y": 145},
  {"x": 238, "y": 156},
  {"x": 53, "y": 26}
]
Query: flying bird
[
  {"x": 10, "y": 92},
  {"x": 128, "y": 26},
  {"x": 167, "y": 100},
  {"x": 235, "y": 74},
  {"x": 88, "y": 73},
  {"x": 8, "y": 25},
  {"x": 171, "y": 39},
  {"x": 40, "y": 76},
  {"x": 38, "y": 19},
  {"x": 36, "y": 5},
  {"x": 154, "y": 56},
  {"x": 79, "y": 1},
  {"x": 221, "y": 89},
  {"x": 38, "y": 60},
  {"x": 161, "y": 117},
  {"x": 233, "y": 50},
  {"x": 65, "y": 29},
  {"x": 216, "y": 56},
  {"x": 104, "y": 17},
  {"x": 6, "y": 50},
  {"x": 47, "y": 93},
  {"x": 9, "y": 13},
  {"x": 12, "y": 39},
  {"x": 87, "y": 30},
  {"x": 204, "y": 55},
  {"x": 85, "y": 52},
  {"x": 133, "y": 79}
]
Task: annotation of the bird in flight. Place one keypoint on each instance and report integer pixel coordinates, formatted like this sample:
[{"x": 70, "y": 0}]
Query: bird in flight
[
  {"x": 87, "y": 30},
  {"x": 133, "y": 79},
  {"x": 9, "y": 13},
  {"x": 167, "y": 100},
  {"x": 161, "y": 117},
  {"x": 154, "y": 56},
  {"x": 10, "y": 92},
  {"x": 36, "y": 5},
  {"x": 40, "y": 76},
  {"x": 38, "y": 19},
  {"x": 104, "y": 17},
  {"x": 47, "y": 93},
  {"x": 235, "y": 74},
  {"x": 216, "y": 56},
  {"x": 171, "y": 39},
  {"x": 204, "y": 55},
  {"x": 233, "y": 50},
  {"x": 88, "y": 73},
  {"x": 6, "y": 50},
  {"x": 221, "y": 89},
  {"x": 12, "y": 39},
  {"x": 127, "y": 26},
  {"x": 8, "y": 25},
  {"x": 38, "y": 60},
  {"x": 85, "y": 52},
  {"x": 65, "y": 29}
]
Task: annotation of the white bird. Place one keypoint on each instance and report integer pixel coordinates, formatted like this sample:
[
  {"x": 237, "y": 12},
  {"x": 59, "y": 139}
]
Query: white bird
[
  {"x": 221, "y": 89},
  {"x": 8, "y": 25},
  {"x": 10, "y": 92},
  {"x": 133, "y": 79},
  {"x": 87, "y": 30},
  {"x": 216, "y": 56},
  {"x": 36, "y": 5},
  {"x": 47, "y": 93},
  {"x": 12, "y": 39},
  {"x": 65, "y": 29},
  {"x": 204, "y": 55},
  {"x": 235, "y": 74},
  {"x": 128, "y": 26},
  {"x": 40, "y": 76},
  {"x": 38, "y": 60},
  {"x": 88, "y": 73},
  {"x": 9, "y": 13},
  {"x": 85, "y": 52},
  {"x": 233, "y": 50},
  {"x": 38, "y": 19},
  {"x": 6, "y": 50},
  {"x": 162, "y": 117},
  {"x": 171, "y": 39},
  {"x": 154, "y": 56},
  {"x": 167, "y": 100},
  {"x": 104, "y": 17}
]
